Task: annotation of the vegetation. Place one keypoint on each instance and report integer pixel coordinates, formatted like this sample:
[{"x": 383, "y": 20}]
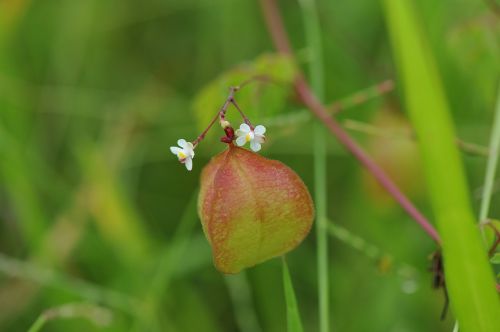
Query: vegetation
[{"x": 388, "y": 110}]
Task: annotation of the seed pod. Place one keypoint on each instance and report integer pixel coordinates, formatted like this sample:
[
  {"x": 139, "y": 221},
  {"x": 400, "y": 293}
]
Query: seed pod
[{"x": 251, "y": 208}]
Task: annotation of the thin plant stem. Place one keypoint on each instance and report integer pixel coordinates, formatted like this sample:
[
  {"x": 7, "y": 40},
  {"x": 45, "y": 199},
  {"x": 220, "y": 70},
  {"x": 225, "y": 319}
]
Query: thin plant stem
[
  {"x": 472, "y": 148},
  {"x": 204, "y": 133},
  {"x": 491, "y": 166},
  {"x": 280, "y": 38},
  {"x": 320, "y": 193},
  {"x": 355, "y": 99},
  {"x": 316, "y": 70},
  {"x": 355, "y": 241},
  {"x": 362, "y": 96},
  {"x": 336, "y": 129},
  {"x": 261, "y": 79},
  {"x": 38, "y": 324},
  {"x": 220, "y": 115},
  {"x": 370, "y": 250},
  {"x": 359, "y": 98},
  {"x": 367, "y": 128},
  {"x": 247, "y": 121},
  {"x": 489, "y": 178},
  {"x": 294, "y": 322},
  {"x": 100, "y": 316},
  {"x": 46, "y": 277}
]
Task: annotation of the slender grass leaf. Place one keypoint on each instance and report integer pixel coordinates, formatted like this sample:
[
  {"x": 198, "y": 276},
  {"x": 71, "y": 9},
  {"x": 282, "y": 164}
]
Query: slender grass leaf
[
  {"x": 294, "y": 322},
  {"x": 316, "y": 76},
  {"x": 469, "y": 277}
]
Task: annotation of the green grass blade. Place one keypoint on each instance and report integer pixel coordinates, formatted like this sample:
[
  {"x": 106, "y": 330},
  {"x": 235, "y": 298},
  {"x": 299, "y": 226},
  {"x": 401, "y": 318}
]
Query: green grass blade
[
  {"x": 355, "y": 241},
  {"x": 50, "y": 278},
  {"x": 294, "y": 322},
  {"x": 100, "y": 316},
  {"x": 491, "y": 167},
  {"x": 38, "y": 324},
  {"x": 489, "y": 178},
  {"x": 469, "y": 277},
  {"x": 316, "y": 70}
]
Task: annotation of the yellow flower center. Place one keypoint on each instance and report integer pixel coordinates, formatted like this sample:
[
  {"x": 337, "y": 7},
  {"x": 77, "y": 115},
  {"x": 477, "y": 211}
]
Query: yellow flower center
[
  {"x": 181, "y": 155},
  {"x": 248, "y": 137}
]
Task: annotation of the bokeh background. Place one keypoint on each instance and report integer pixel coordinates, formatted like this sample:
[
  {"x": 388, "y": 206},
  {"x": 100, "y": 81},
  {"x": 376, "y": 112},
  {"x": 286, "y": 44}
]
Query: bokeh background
[{"x": 97, "y": 216}]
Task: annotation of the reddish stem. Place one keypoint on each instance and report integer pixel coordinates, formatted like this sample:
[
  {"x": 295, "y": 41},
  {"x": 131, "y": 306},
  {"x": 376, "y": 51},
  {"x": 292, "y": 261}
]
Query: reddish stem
[
  {"x": 493, "y": 248},
  {"x": 221, "y": 114},
  {"x": 202, "y": 135},
  {"x": 276, "y": 28},
  {"x": 247, "y": 121}
]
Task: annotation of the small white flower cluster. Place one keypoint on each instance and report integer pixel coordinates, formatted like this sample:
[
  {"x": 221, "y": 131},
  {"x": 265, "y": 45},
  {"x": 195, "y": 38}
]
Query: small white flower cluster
[{"x": 185, "y": 151}]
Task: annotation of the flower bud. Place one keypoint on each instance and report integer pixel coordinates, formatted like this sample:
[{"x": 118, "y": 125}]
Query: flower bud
[
  {"x": 224, "y": 124},
  {"x": 252, "y": 209}
]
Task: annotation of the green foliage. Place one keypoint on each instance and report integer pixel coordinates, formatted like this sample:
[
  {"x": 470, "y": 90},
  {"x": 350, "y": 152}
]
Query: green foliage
[
  {"x": 469, "y": 277},
  {"x": 95, "y": 209}
]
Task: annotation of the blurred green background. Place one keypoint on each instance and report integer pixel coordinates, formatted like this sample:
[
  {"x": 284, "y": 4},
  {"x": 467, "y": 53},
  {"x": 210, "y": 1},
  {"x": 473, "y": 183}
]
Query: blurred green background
[{"x": 96, "y": 211}]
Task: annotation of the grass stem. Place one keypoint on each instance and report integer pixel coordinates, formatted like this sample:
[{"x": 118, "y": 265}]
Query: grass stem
[
  {"x": 469, "y": 278},
  {"x": 294, "y": 323},
  {"x": 491, "y": 167},
  {"x": 316, "y": 76}
]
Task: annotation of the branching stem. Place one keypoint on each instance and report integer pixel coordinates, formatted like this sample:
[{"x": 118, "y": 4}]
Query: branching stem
[
  {"x": 221, "y": 114},
  {"x": 276, "y": 28},
  {"x": 247, "y": 121}
]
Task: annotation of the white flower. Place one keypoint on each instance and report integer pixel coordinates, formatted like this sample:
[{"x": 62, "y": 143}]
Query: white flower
[
  {"x": 185, "y": 153},
  {"x": 255, "y": 137}
]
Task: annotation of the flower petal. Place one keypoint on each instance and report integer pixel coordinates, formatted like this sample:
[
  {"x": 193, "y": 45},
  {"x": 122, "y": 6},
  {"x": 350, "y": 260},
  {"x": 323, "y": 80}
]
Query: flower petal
[
  {"x": 189, "y": 149},
  {"x": 189, "y": 164},
  {"x": 182, "y": 143},
  {"x": 259, "y": 130},
  {"x": 255, "y": 146},
  {"x": 240, "y": 132},
  {"x": 240, "y": 141},
  {"x": 175, "y": 150},
  {"x": 245, "y": 128},
  {"x": 260, "y": 138}
]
